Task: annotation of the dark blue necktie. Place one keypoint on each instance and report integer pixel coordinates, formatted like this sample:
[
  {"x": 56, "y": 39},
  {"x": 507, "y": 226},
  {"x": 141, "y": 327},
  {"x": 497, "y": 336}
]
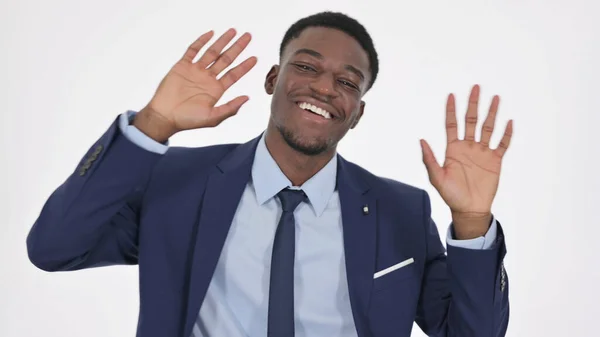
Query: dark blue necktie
[{"x": 281, "y": 288}]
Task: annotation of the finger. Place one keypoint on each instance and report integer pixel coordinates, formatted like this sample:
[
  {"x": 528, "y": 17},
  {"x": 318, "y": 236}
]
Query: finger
[
  {"x": 490, "y": 121},
  {"x": 211, "y": 54},
  {"x": 234, "y": 74},
  {"x": 471, "y": 116},
  {"x": 451, "y": 125},
  {"x": 195, "y": 47},
  {"x": 228, "y": 109},
  {"x": 226, "y": 59},
  {"x": 434, "y": 170},
  {"x": 505, "y": 141}
]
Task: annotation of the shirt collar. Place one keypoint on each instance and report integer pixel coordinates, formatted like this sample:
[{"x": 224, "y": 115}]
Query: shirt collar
[{"x": 268, "y": 179}]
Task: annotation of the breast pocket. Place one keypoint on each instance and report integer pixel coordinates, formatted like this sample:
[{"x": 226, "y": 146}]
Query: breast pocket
[{"x": 394, "y": 275}]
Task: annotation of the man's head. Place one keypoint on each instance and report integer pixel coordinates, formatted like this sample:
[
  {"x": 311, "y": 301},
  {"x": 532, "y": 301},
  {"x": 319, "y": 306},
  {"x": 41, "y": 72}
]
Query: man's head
[{"x": 327, "y": 64}]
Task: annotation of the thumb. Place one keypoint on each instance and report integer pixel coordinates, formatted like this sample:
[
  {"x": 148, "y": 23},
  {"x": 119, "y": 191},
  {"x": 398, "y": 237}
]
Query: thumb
[
  {"x": 433, "y": 168},
  {"x": 228, "y": 109}
]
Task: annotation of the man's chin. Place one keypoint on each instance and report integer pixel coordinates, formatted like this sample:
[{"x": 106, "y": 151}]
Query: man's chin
[{"x": 307, "y": 147}]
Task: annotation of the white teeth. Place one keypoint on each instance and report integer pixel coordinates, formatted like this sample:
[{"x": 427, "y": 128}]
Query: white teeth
[{"x": 317, "y": 110}]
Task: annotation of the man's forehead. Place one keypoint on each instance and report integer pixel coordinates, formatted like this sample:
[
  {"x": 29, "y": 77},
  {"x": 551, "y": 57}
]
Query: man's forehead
[
  {"x": 324, "y": 38},
  {"x": 329, "y": 43}
]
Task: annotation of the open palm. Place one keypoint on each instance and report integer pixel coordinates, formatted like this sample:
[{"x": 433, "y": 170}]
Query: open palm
[
  {"x": 469, "y": 178},
  {"x": 188, "y": 94}
]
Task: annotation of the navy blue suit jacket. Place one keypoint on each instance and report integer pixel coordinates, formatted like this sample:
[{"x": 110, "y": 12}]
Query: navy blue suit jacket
[{"x": 170, "y": 215}]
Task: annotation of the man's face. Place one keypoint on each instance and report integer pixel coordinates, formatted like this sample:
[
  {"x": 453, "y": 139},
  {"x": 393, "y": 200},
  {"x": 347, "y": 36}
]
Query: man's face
[{"x": 322, "y": 72}]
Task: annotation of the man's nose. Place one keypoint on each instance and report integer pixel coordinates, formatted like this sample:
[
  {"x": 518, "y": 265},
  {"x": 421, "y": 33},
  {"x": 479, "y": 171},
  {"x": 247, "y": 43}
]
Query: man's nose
[{"x": 324, "y": 86}]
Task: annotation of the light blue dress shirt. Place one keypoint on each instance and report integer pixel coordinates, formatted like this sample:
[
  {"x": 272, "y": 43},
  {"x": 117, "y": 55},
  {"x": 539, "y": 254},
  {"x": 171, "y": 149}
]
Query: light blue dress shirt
[{"x": 237, "y": 298}]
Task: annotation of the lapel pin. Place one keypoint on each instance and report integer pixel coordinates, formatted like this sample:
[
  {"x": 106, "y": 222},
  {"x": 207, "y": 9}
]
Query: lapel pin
[{"x": 365, "y": 209}]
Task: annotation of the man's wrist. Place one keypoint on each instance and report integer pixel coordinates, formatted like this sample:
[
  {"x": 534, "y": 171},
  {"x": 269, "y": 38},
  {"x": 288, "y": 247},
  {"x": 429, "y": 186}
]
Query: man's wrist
[
  {"x": 153, "y": 125},
  {"x": 468, "y": 226}
]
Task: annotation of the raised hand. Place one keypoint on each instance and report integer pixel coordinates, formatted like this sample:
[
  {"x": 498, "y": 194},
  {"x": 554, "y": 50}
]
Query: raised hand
[
  {"x": 187, "y": 96},
  {"x": 468, "y": 180}
]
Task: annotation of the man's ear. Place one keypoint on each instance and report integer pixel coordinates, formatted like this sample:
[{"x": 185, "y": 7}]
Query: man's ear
[
  {"x": 360, "y": 113},
  {"x": 271, "y": 79}
]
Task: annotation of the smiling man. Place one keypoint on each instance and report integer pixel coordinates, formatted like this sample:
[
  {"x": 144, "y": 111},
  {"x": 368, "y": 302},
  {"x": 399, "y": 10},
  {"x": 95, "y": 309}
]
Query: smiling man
[
  {"x": 324, "y": 72},
  {"x": 281, "y": 236}
]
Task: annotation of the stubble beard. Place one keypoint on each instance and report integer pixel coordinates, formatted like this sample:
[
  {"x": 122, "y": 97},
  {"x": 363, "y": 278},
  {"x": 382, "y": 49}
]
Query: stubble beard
[{"x": 295, "y": 141}]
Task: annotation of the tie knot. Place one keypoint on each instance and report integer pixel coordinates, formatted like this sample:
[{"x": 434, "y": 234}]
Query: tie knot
[{"x": 290, "y": 199}]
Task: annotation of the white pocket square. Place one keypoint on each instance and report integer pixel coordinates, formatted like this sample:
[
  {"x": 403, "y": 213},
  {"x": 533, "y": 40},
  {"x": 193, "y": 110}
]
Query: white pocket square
[{"x": 394, "y": 267}]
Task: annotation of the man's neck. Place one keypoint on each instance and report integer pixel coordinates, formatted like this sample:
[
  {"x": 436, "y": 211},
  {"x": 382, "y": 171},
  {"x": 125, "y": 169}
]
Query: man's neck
[{"x": 296, "y": 166}]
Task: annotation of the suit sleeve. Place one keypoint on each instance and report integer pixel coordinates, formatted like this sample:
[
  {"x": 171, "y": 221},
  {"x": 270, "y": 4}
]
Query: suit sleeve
[
  {"x": 482, "y": 242},
  {"x": 464, "y": 292},
  {"x": 91, "y": 220}
]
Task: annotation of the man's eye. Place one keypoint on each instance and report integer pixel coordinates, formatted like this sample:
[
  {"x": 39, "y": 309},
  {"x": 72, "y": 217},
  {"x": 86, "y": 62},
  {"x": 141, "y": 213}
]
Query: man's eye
[
  {"x": 304, "y": 67},
  {"x": 348, "y": 84}
]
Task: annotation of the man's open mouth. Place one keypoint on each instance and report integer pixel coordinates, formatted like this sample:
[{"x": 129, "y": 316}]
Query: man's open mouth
[{"x": 315, "y": 109}]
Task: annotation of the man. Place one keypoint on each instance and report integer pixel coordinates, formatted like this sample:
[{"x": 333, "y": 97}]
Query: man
[{"x": 281, "y": 236}]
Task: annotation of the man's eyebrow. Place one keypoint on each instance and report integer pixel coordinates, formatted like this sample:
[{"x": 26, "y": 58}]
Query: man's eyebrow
[
  {"x": 318, "y": 55},
  {"x": 310, "y": 52},
  {"x": 356, "y": 71}
]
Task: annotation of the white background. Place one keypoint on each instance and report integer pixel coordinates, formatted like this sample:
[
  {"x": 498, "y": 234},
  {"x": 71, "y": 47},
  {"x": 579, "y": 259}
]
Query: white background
[{"x": 68, "y": 68}]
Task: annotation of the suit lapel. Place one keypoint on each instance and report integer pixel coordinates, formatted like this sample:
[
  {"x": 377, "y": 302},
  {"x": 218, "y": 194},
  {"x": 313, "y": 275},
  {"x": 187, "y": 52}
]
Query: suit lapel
[
  {"x": 222, "y": 195},
  {"x": 359, "y": 227}
]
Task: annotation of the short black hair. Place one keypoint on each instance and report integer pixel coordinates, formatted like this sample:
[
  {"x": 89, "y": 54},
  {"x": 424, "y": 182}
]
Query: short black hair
[{"x": 343, "y": 23}]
